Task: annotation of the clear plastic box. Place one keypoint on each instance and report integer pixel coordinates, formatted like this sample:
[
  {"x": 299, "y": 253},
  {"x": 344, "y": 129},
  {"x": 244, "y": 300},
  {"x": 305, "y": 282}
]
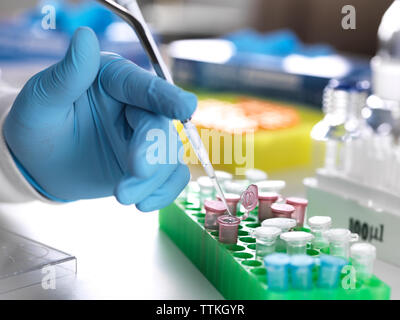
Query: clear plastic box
[{"x": 25, "y": 262}]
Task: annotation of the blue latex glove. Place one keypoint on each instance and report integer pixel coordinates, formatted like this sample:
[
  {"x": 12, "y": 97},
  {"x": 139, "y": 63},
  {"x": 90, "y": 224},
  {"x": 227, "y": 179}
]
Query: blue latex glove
[{"x": 78, "y": 129}]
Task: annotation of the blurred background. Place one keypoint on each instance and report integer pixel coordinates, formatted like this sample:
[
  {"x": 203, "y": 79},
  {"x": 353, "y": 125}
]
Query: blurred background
[
  {"x": 269, "y": 67},
  {"x": 285, "y": 51},
  {"x": 312, "y": 20}
]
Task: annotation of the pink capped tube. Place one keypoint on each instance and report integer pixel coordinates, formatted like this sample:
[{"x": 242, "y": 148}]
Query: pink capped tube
[
  {"x": 228, "y": 228},
  {"x": 282, "y": 210},
  {"x": 265, "y": 200},
  {"x": 214, "y": 209},
  {"x": 300, "y": 205},
  {"x": 232, "y": 200}
]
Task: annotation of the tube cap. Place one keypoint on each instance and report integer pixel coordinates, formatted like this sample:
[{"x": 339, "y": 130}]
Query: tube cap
[
  {"x": 295, "y": 201},
  {"x": 249, "y": 197},
  {"x": 271, "y": 185},
  {"x": 277, "y": 260},
  {"x": 223, "y": 175},
  {"x": 301, "y": 260},
  {"x": 281, "y": 223},
  {"x": 282, "y": 208},
  {"x": 268, "y": 233},
  {"x": 205, "y": 182},
  {"x": 320, "y": 222},
  {"x": 272, "y": 196},
  {"x": 230, "y": 197},
  {"x": 236, "y": 186},
  {"x": 297, "y": 237},
  {"x": 255, "y": 175},
  {"x": 340, "y": 235},
  {"x": 333, "y": 261},
  {"x": 215, "y": 206},
  {"x": 363, "y": 250}
]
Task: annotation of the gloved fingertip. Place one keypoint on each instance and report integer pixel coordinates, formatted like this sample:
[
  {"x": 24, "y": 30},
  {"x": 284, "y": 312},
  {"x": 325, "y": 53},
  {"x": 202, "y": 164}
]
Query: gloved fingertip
[
  {"x": 188, "y": 104},
  {"x": 84, "y": 34},
  {"x": 145, "y": 207},
  {"x": 142, "y": 170},
  {"x": 121, "y": 199},
  {"x": 170, "y": 191},
  {"x": 172, "y": 101},
  {"x": 86, "y": 50},
  {"x": 123, "y": 195}
]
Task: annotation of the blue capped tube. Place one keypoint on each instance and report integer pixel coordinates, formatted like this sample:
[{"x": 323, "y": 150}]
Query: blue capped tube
[
  {"x": 329, "y": 271},
  {"x": 301, "y": 266},
  {"x": 277, "y": 265}
]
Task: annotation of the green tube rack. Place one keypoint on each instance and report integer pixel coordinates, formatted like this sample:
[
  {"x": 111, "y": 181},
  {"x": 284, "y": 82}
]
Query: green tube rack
[{"x": 234, "y": 269}]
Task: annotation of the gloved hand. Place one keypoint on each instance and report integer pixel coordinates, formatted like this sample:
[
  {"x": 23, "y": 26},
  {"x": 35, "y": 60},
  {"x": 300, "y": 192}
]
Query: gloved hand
[{"x": 79, "y": 129}]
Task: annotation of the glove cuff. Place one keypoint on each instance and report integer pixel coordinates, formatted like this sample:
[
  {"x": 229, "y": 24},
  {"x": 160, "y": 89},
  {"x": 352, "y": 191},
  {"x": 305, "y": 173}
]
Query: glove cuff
[
  {"x": 33, "y": 183},
  {"x": 14, "y": 185}
]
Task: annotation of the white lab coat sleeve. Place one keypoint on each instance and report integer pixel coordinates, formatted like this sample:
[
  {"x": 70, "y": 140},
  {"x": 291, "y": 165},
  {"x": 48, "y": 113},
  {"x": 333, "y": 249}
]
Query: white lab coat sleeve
[{"x": 14, "y": 187}]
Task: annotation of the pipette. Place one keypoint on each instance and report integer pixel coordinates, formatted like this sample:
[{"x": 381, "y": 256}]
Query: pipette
[{"x": 131, "y": 13}]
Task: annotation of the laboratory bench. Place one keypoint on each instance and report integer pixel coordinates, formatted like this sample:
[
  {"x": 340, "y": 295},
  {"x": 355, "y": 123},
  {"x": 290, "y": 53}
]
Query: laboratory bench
[{"x": 121, "y": 253}]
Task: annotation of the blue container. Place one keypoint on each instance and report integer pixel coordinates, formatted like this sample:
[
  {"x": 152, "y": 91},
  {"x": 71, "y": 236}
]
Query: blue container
[
  {"x": 330, "y": 270},
  {"x": 301, "y": 271},
  {"x": 277, "y": 265}
]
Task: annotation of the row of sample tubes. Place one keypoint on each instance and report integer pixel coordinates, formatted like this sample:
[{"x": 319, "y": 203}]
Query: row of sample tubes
[
  {"x": 353, "y": 141},
  {"x": 276, "y": 234},
  {"x": 281, "y": 235},
  {"x": 296, "y": 271},
  {"x": 285, "y": 253}
]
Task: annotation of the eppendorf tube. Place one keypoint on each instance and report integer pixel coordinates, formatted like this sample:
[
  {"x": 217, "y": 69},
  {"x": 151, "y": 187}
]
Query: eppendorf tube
[
  {"x": 300, "y": 205},
  {"x": 223, "y": 176},
  {"x": 282, "y": 210},
  {"x": 296, "y": 241},
  {"x": 232, "y": 201},
  {"x": 301, "y": 266},
  {"x": 277, "y": 265},
  {"x": 228, "y": 228},
  {"x": 285, "y": 224},
  {"x": 339, "y": 241},
  {"x": 329, "y": 271},
  {"x": 235, "y": 186},
  {"x": 266, "y": 240},
  {"x": 363, "y": 257},
  {"x": 265, "y": 200},
  {"x": 206, "y": 188},
  {"x": 214, "y": 209},
  {"x": 318, "y": 225},
  {"x": 271, "y": 185},
  {"x": 255, "y": 175}
]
